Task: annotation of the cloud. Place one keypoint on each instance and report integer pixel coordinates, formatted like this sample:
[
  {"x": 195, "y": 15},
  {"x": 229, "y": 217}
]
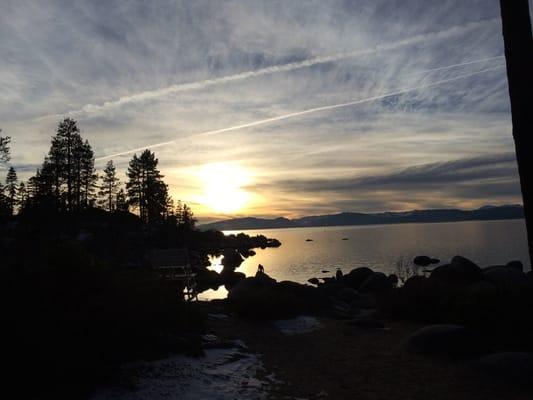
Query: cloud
[{"x": 126, "y": 64}]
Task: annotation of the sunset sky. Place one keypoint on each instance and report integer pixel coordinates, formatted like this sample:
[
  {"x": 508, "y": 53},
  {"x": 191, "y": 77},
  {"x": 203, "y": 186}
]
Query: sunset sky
[{"x": 185, "y": 76}]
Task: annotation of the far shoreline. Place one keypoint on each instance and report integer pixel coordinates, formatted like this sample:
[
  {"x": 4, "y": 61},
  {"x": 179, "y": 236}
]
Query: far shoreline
[{"x": 234, "y": 231}]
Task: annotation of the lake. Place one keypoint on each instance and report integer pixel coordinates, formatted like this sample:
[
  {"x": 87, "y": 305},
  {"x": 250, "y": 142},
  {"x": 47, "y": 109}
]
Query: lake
[{"x": 380, "y": 247}]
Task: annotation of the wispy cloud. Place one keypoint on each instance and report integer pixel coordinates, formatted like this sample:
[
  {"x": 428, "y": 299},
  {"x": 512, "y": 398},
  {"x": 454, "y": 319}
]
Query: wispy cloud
[{"x": 290, "y": 91}]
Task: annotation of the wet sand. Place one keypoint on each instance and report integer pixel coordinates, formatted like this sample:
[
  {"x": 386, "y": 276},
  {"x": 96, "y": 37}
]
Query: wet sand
[{"x": 339, "y": 361}]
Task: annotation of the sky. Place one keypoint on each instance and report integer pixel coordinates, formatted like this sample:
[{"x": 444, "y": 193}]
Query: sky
[{"x": 238, "y": 99}]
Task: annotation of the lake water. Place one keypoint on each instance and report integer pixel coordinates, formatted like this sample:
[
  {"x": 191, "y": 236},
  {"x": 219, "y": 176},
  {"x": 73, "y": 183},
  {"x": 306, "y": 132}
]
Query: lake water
[{"x": 380, "y": 247}]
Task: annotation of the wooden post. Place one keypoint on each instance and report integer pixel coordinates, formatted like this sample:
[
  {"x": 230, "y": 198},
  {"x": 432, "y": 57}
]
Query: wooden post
[{"x": 516, "y": 27}]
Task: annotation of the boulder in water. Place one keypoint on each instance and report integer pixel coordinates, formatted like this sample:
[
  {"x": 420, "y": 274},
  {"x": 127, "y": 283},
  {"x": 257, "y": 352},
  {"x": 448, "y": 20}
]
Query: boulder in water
[
  {"x": 376, "y": 282},
  {"x": 313, "y": 281},
  {"x": 505, "y": 278},
  {"x": 422, "y": 261},
  {"x": 515, "y": 264},
  {"x": 356, "y": 277},
  {"x": 231, "y": 259},
  {"x": 263, "y": 298},
  {"x": 461, "y": 271}
]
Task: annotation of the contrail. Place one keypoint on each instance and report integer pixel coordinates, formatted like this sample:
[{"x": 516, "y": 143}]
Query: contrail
[
  {"x": 304, "y": 112},
  {"x": 456, "y": 65},
  {"x": 183, "y": 87}
]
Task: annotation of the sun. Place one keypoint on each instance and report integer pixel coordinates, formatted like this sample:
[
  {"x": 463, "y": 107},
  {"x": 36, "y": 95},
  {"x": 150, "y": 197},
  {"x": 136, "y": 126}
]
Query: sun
[{"x": 222, "y": 187}]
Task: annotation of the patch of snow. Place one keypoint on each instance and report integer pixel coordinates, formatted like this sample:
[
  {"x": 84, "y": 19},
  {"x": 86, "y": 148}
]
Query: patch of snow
[
  {"x": 295, "y": 326},
  {"x": 223, "y": 374}
]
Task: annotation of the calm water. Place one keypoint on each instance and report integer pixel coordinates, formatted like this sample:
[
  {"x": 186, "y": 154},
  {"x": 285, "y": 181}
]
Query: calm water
[{"x": 380, "y": 246}]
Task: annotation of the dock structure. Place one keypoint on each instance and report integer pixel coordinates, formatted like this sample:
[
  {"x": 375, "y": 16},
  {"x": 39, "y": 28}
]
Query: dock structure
[{"x": 174, "y": 265}]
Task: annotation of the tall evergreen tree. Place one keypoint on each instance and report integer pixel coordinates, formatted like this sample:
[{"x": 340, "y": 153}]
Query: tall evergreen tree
[
  {"x": 146, "y": 190},
  {"x": 109, "y": 188},
  {"x": 89, "y": 177},
  {"x": 184, "y": 216},
  {"x": 4, "y": 148},
  {"x": 64, "y": 156},
  {"x": 122, "y": 201},
  {"x": 22, "y": 196},
  {"x": 11, "y": 190}
]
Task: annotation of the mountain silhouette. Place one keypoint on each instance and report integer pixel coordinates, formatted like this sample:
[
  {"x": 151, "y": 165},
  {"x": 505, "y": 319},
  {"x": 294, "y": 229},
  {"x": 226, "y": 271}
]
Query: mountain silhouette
[{"x": 484, "y": 213}]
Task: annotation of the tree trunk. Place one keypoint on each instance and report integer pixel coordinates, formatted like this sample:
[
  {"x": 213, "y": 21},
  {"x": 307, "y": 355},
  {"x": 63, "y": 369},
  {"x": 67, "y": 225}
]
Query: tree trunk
[{"x": 516, "y": 26}]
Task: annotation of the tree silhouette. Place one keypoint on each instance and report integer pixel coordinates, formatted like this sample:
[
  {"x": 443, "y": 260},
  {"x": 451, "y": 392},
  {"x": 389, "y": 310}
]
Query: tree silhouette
[
  {"x": 109, "y": 187},
  {"x": 122, "y": 201},
  {"x": 517, "y": 37},
  {"x": 146, "y": 190},
  {"x": 184, "y": 216},
  {"x": 11, "y": 190},
  {"x": 4, "y": 148}
]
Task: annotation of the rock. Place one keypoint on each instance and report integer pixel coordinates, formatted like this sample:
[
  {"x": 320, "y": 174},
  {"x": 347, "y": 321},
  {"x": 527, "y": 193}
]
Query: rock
[
  {"x": 513, "y": 367},
  {"x": 308, "y": 240},
  {"x": 435, "y": 261},
  {"x": 325, "y": 271},
  {"x": 422, "y": 261},
  {"x": 356, "y": 277},
  {"x": 208, "y": 279},
  {"x": 344, "y": 238},
  {"x": 461, "y": 271},
  {"x": 263, "y": 277},
  {"x": 263, "y": 298},
  {"x": 231, "y": 259},
  {"x": 505, "y": 278},
  {"x": 347, "y": 294},
  {"x": 377, "y": 282},
  {"x": 331, "y": 288},
  {"x": 393, "y": 278},
  {"x": 313, "y": 281},
  {"x": 445, "y": 340},
  {"x": 367, "y": 323},
  {"x": 230, "y": 278},
  {"x": 516, "y": 265},
  {"x": 482, "y": 289}
]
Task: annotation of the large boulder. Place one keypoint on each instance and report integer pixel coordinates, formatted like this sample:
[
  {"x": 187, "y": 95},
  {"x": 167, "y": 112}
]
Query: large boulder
[
  {"x": 424, "y": 261},
  {"x": 461, "y": 271},
  {"x": 513, "y": 367},
  {"x": 231, "y": 259},
  {"x": 231, "y": 278},
  {"x": 516, "y": 265},
  {"x": 263, "y": 298},
  {"x": 454, "y": 340},
  {"x": 505, "y": 278},
  {"x": 356, "y": 277},
  {"x": 376, "y": 282},
  {"x": 347, "y": 294}
]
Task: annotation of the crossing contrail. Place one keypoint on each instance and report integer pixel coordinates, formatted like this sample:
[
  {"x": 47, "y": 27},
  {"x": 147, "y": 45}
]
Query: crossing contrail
[
  {"x": 303, "y": 112},
  {"x": 183, "y": 87},
  {"x": 481, "y": 60}
]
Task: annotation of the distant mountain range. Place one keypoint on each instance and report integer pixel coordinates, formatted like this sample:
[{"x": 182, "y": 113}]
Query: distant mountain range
[{"x": 352, "y": 218}]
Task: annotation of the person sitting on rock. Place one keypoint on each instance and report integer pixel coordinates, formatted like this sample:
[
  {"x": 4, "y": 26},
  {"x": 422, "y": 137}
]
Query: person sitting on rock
[
  {"x": 338, "y": 274},
  {"x": 260, "y": 269}
]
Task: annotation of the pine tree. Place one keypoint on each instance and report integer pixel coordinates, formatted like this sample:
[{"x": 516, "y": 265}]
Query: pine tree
[
  {"x": 11, "y": 190},
  {"x": 109, "y": 188},
  {"x": 146, "y": 190},
  {"x": 122, "y": 202},
  {"x": 89, "y": 177},
  {"x": 4, "y": 148},
  {"x": 22, "y": 196},
  {"x": 184, "y": 216}
]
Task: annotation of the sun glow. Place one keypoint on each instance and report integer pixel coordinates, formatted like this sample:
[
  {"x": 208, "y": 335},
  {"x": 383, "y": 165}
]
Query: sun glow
[{"x": 222, "y": 187}]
